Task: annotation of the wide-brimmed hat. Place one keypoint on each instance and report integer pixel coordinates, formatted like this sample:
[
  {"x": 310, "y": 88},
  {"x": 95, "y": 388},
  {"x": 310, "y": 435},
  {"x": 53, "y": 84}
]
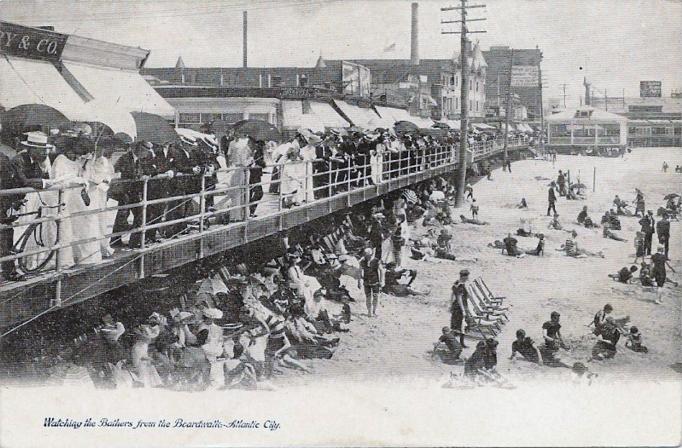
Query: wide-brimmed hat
[
  {"x": 36, "y": 139},
  {"x": 187, "y": 140},
  {"x": 464, "y": 272},
  {"x": 183, "y": 316},
  {"x": 213, "y": 313}
]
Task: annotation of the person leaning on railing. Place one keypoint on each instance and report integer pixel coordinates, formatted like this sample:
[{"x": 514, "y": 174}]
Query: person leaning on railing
[{"x": 25, "y": 170}]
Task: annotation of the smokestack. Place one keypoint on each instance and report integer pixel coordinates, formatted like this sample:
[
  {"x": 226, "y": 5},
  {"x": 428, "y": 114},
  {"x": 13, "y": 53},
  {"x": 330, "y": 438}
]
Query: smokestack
[
  {"x": 244, "y": 39},
  {"x": 414, "y": 49}
]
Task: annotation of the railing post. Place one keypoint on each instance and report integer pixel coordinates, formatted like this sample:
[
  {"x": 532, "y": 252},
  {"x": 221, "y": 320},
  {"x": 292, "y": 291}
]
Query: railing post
[
  {"x": 58, "y": 263},
  {"x": 280, "y": 189},
  {"x": 329, "y": 182},
  {"x": 308, "y": 173},
  {"x": 202, "y": 213},
  {"x": 143, "y": 235}
]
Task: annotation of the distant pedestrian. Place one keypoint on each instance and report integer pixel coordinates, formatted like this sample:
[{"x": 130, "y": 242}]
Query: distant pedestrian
[
  {"x": 561, "y": 181},
  {"x": 474, "y": 209},
  {"x": 659, "y": 261},
  {"x": 459, "y": 308},
  {"x": 469, "y": 190},
  {"x": 665, "y": 166},
  {"x": 551, "y": 199},
  {"x": 508, "y": 165}
]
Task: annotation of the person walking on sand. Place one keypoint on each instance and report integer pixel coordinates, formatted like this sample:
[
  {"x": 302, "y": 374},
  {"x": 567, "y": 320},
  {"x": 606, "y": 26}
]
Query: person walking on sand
[
  {"x": 551, "y": 199},
  {"x": 561, "y": 180},
  {"x": 665, "y": 166},
  {"x": 663, "y": 230},
  {"x": 660, "y": 261},
  {"x": 372, "y": 278}
]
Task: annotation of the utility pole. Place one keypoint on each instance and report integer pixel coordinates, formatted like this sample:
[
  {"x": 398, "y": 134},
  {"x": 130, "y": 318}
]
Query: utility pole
[
  {"x": 542, "y": 112},
  {"x": 464, "y": 96},
  {"x": 563, "y": 86},
  {"x": 509, "y": 108},
  {"x": 606, "y": 101}
]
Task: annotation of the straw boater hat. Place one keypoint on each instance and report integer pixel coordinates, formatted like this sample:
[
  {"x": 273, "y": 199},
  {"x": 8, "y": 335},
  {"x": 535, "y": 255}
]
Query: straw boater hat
[
  {"x": 187, "y": 140},
  {"x": 213, "y": 313},
  {"x": 36, "y": 139}
]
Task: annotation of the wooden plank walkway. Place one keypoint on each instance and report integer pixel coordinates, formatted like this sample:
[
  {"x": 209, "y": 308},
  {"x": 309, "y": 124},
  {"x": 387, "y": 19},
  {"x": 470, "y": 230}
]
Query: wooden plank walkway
[{"x": 22, "y": 300}]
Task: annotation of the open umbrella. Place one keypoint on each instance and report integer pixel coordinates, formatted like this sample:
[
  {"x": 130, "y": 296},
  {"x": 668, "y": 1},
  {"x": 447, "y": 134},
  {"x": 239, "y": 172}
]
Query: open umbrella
[
  {"x": 258, "y": 130},
  {"x": 403, "y": 127},
  {"x": 441, "y": 125},
  {"x": 153, "y": 128},
  {"x": 31, "y": 116},
  {"x": 669, "y": 196}
]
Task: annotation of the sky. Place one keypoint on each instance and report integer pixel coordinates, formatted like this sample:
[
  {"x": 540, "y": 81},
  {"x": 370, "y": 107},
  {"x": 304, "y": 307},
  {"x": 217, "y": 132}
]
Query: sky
[{"x": 614, "y": 43}]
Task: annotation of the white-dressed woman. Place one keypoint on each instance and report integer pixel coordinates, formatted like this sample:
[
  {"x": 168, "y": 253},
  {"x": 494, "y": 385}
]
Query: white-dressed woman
[
  {"x": 305, "y": 285},
  {"x": 308, "y": 154},
  {"x": 293, "y": 179},
  {"x": 99, "y": 172}
]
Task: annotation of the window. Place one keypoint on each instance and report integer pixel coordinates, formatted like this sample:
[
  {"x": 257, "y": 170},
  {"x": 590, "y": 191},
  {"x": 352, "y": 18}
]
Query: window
[
  {"x": 452, "y": 80},
  {"x": 233, "y": 117},
  {"x": 263, "y": 117},
  {"x": 456, "y": 81},
  {"x": 477, "y": 86},
  {"x": 658, "y": 131},
  {"x": 189, "y": 118},
  {"x": 303, "y": 81},
  {"x": 471, "y": 84},
  {"x": 477, "y": 106},
  {"x": 276, "y": 81},
  {"x": 471, "y": 104},
  {"x": 207, "y": 118}
]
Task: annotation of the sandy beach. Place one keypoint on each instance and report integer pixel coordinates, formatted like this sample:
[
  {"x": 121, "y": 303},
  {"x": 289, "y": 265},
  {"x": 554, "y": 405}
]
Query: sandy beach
[{"x": 396, "y": 344}]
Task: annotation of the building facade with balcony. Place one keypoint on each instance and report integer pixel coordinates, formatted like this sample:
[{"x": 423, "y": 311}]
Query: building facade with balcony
[{"x": 586, "y": 129}]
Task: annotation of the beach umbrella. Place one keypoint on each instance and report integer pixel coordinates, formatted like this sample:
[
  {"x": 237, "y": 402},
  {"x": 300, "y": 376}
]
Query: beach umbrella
[
  {"x": 402, "y": 127},
  {"x": 441, "y": 125},
  {"x": 258, "y": 130},
  {"x": 154, "y": 128},
  {"x": 410, "y": 196},
  {"x": 31, "y": 116},
  {"x": 667, "y": 197}
]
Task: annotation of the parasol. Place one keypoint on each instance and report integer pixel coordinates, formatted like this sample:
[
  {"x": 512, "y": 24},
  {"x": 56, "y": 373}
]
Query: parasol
[
  {"x": 669, "y": 196},
  {"x": 403, "y": 127},
  {"x": 441, "y": 125},
  {"x": 258, "y": 130},
  {"x": 154, "y": 128},
  {"x": 31, "y": 116}
]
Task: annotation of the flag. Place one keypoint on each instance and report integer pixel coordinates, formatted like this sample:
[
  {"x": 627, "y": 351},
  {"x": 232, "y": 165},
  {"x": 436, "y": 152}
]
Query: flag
[{"x": 390, "y": 48}]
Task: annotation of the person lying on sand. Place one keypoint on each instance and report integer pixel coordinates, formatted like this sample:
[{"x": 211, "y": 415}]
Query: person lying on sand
[
  {"x": 540, "y": 248},
  {"x": 606, "y": 233},
  {"x": 510, "y": 246},
  {"x": 570, "y": 247},
  {"x": 625, "y": 275},
  {"x": 398, "y": 282},
  {"x": 466, "y": 220},
  {"x": 555, "y": 224},
  {"x": 447, "y": 348},
  {"x": 525, "y": 346},
  {"x": 635, "y": 341}
]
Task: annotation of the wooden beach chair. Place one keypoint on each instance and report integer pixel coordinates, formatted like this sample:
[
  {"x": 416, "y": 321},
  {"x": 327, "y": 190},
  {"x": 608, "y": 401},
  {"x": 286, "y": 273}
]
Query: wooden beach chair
[
  {"x": 485, "y": 310},
  {"x": 484, "y": 300},
  {"x": 481, "y": 323},
  {"x": 488, "y": 293}
]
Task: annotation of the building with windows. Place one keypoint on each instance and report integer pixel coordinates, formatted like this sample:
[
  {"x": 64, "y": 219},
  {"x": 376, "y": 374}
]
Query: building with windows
[
  {"x": 525, "y": 84},
  {"x": 652, "y": 121},
  {"x": 586, "y": 129}
]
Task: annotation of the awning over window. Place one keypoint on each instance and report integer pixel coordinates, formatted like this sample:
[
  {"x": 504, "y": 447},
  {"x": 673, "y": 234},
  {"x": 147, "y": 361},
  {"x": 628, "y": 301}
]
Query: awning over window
[
  {"x": 483, "y": 126},
  {"x": 28, "y": 81},
  {"x": 122, "y": 88},
  {"x": 318, "y": 116},
  {"x": 360, "y": 116},
  {"x": 402, "y": 115}
]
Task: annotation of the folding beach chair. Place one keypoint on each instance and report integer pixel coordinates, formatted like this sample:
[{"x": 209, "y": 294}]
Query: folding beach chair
[
  {"x": 481, "y": 322},
  {"x": 490, "y": 314},
  {"x": 483, "y": 299},
  {"x": 488, "y": 293}
]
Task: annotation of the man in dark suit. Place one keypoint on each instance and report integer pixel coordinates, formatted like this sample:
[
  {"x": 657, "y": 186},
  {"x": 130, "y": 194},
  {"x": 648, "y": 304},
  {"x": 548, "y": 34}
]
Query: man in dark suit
[
  {"x": 186, "y": 161},
  {"x": 134, "y": 166},
  {"x": 22, "y": 171}
]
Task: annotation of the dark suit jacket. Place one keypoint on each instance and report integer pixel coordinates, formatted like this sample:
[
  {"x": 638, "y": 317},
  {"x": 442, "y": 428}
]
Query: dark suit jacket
[
  {"x": 129, "y": 192},
  {"x": 13, "y": 174}
]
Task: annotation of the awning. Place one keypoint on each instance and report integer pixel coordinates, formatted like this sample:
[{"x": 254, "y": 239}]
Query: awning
[
  {"x": 402, "y": 115},
  {"x": 320, "y": 116},
  {"x": 454, "y": 124},
  {"x": 122, "y": 88},
  {"x": 482, "y": 126},
  {"x": 365, "y": 118},
  {"x": 28, "y": 81}
]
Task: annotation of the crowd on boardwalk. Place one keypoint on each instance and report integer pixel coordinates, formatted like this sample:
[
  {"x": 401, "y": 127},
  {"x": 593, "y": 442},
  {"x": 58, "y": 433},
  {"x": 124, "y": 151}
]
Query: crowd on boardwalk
[{"x": 181, "y": 178}]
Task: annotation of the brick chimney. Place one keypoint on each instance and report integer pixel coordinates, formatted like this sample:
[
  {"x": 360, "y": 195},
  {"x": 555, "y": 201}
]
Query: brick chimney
[{"x": 414, "y": 47}]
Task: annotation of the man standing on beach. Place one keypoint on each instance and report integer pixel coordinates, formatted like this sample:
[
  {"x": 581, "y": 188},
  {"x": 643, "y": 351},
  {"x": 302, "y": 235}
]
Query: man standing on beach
[
  {"x": 551, "y": 198},
  {"x": 562, "y": 184},
  {"x": 648, "y": 229},
  {"x": 373, "y": 280},
  {"x": 458, "y": 307},
  {"x": 663, "y": 229}
]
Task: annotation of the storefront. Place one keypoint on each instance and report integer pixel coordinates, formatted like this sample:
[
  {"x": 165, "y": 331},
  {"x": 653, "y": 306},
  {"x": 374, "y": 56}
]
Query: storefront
[
  {"x": 314, "y": 115},
  {"x": 81, "y": 79},
  {"x": 586, "y": 129}
]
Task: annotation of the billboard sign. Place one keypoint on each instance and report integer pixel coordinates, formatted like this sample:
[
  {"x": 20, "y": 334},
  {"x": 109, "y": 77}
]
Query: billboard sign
[
  {"x": 525, "y": 76},
  {"x": 356, "y": 79},
  {"x": 650, "y": 89},
  {"x": 31, "y": 43}
]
